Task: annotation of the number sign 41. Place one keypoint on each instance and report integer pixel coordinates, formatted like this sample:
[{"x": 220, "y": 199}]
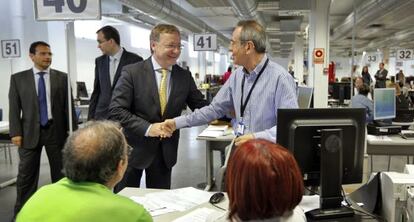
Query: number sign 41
[{"x": 205, "y": 42}]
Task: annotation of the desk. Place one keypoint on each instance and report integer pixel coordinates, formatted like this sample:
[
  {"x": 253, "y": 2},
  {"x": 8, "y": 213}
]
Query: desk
[
  {"x": 396, "y": 147},
  {"x": 218, "y": 143},
  {"x": 130, "y": 191},
  {"x": 5, "y": 139}
]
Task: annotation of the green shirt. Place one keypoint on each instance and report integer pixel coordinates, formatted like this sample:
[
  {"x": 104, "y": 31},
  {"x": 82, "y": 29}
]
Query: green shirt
[{"x": 86, "y": 201}]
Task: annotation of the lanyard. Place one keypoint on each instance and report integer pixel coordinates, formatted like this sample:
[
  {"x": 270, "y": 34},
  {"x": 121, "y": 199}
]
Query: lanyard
[{"x": 243, "y": 105}]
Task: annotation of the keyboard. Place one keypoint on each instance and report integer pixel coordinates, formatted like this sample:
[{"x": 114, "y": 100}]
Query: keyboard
[{"x": 408, "y": 136}]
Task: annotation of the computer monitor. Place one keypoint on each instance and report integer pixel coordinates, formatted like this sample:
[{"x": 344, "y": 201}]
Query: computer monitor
[
  {"x": 341, "y": 91},
  {"x": 384, "y": 103},
  {"x": 328, "y": 145},
  {"x": 81, "y": 91},
  {"x": 304, "y": 96}
]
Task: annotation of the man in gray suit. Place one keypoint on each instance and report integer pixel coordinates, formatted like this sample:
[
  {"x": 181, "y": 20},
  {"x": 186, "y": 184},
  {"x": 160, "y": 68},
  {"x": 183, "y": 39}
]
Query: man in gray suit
[
  {"x": 107, "y": 70},
  {"x": 381, "y": 76},
  {"x": 38, "y": 116},
  {"x": 147, "y": 93}
]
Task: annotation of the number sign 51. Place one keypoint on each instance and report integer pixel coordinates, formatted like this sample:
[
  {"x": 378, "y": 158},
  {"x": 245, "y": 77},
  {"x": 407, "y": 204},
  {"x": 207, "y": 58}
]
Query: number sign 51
[
  {"x": 67, "y": 9},
  {"x": 205, "y": 42}
]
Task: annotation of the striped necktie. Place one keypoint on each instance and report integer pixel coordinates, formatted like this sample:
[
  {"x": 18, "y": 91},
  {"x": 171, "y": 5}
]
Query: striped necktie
[{"x": 163, "y": 90}]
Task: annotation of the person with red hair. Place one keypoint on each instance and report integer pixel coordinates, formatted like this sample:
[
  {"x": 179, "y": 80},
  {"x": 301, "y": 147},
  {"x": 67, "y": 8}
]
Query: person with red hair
[{"x": 264, "y": 183}]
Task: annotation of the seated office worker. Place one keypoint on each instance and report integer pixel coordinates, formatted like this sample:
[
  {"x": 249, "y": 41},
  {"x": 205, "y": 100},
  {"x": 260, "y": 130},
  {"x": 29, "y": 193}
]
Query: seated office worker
[
  {"x": 38, "y": 116},
  {"x": 95, "y": 158},
  {"x": 264, "y": 183},
  {"x": 361, "y": 100},
  {"x": 108, "y": 68},
  {"x": 254, "y": 91},
  {"x": 147, "y": 93}
]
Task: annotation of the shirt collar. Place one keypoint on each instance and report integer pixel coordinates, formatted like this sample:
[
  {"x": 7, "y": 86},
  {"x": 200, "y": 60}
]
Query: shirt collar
[
  {"x": 257, "y": 69},
  {"x": 117, "y": 55},
  {"x": 157, "y": 66},
  {"x": 36, "y": 70}
]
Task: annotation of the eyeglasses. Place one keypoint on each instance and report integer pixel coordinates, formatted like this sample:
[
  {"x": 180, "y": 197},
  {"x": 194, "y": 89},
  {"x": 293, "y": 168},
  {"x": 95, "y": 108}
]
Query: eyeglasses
[
  {"x": 100, "y": 41},
  {"x": 171, "y": 46}
]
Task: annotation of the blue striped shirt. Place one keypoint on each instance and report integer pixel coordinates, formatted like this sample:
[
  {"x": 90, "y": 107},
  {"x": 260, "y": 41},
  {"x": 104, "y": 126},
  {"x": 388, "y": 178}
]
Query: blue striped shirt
[{"x": 275, "y": 89}]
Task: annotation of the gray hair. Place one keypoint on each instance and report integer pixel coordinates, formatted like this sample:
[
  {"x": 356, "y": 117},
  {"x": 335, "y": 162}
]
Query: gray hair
[
  {"x": 253, "y": 31},
  {"x": 92, "y": 153}
]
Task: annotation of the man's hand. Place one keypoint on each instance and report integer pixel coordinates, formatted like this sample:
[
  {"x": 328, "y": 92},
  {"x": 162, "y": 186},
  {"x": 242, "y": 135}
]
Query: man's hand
[
  {"x": 169, "y": 125},
  {"x": 158, "y": 130},
  {"x": 17, "y": 140},
  {"x": 241, "y": 139}
]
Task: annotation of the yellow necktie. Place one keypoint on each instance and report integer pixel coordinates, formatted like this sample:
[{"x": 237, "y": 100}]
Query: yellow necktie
[{"x": 163, "y": 90}]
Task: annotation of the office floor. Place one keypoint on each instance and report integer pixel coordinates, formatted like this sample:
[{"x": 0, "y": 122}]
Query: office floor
[{"x": 189, "y": 171}]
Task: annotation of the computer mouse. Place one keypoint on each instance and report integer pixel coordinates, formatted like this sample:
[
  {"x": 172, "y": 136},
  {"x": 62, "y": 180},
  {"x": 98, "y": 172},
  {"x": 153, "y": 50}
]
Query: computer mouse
[{"x": 216, "y": 198}]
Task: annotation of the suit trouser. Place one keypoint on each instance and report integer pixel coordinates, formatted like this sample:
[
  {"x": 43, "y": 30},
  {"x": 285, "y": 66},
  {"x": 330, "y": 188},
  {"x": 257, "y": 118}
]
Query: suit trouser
[
  {"x": 29, "y": 166},
  {"x": 157, "y": 175}
]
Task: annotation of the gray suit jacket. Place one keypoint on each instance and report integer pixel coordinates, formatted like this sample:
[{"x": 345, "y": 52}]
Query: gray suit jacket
[
  {"x": 24, "y": 108},
  {"x": 135, "y": 104},
  {"x": 102, "y": 89}
]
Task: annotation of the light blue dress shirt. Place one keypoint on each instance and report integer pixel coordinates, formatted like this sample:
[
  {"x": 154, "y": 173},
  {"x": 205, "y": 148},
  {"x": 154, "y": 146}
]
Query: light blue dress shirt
[
  {"x": 46, "y": 77},
  {"x": 361, "y": 101},
  {"x": 275, "y": 89}
]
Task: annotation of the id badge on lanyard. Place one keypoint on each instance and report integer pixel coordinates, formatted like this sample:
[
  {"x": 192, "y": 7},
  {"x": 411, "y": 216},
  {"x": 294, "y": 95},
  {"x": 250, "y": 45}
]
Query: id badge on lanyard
[{"x": 240, "y": 128}]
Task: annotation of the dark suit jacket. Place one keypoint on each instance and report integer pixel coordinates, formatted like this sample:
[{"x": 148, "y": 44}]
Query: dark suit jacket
[
  {"x": 24, "y": 107},
  {"x": 135, "y": 104},
  {"x": 381, "y": 78},
  {"x": 102, "y": 89}
]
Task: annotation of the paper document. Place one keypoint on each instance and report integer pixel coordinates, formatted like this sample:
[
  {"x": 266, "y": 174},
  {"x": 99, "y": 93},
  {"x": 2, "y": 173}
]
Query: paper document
[
  {"x": 198, "y": 215},
  {"x": 309, "y": 203},
  {"x": 378, "y": 138},
  {"x": 182, "y": 199},
  {"x": 216, "y": 131}
]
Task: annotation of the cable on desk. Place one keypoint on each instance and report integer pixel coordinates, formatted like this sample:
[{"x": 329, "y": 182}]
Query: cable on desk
[{"x": 215, "y": 205}]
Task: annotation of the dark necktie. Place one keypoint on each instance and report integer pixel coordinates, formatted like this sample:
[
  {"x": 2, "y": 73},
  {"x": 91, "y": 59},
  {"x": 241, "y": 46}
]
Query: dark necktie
[{"x": 41, "y": 95}]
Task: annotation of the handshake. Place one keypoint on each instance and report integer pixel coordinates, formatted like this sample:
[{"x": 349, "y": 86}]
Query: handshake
[{"x": 162, "y": 130}]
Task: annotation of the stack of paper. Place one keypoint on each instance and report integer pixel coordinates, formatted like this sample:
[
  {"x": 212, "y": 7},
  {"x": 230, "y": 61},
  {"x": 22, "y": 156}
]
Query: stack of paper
[
  {"x": 182, "y": 199},
  {"x": 214, "y": 131}
]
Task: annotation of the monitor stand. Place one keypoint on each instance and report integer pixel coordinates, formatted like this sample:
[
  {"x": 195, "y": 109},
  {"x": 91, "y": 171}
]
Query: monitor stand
[
  {"x": 331, "y": 178},
  {"x": 385, "y": 122}
]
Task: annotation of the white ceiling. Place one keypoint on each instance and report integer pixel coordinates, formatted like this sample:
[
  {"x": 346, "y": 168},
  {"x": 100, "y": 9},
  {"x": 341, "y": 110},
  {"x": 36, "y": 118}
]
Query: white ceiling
[{"x": 379, "y": 23}]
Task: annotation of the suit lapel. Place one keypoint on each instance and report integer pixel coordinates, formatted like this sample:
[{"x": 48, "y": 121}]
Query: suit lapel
[
  {"x": 119, "y": 68},
  {"x": 152, "y": 83},
  {"x": 29, "y": 78},
  {"x": 54, "y": 82},
  {"x": 104, "y": 71}
]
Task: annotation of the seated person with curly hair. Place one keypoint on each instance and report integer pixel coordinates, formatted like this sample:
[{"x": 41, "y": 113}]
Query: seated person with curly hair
[{"x": 264, "y": 183}]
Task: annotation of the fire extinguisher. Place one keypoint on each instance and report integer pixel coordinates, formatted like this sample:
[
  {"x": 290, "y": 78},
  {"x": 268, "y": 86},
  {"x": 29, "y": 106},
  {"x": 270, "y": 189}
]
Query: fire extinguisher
[{"x": 331, "y": 72}]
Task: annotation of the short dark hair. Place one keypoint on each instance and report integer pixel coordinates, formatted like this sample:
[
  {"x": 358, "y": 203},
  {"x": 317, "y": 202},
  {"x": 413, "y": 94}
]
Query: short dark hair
[
  {"x": 229, "y": 69},
  {"x": 33, "y": 46},
  {"x": 364, "y": 89},
  {"x": 110, "y": 32},
  {"x": 263, "y": 181},
  {"x": 92, "y": 153}
]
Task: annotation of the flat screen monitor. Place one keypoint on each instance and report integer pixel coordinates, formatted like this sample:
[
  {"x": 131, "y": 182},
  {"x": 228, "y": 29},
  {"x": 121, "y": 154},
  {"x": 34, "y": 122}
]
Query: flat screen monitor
[
  {"x": 341, "y": 91},
  {"x": 328, "y": 145},
  {"x": 304, "y": 96},
  {"x": 81, "y": 91},
  {"x": 384, "y": 103}
]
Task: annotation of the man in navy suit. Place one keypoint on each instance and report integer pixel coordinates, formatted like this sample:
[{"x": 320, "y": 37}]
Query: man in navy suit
[
  {"x": 108, "y": 68},
  {"x": 147, "y": 93},
  {"x": 38, "y": 116}
]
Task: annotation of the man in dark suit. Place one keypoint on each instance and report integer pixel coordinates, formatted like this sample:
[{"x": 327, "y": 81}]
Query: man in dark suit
[
  {"x": 147, "y": 93},
  {"x": 381, "y": 76},
  {"x": 38, "y": 116},
  {"x": 108, "y": 68}
]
